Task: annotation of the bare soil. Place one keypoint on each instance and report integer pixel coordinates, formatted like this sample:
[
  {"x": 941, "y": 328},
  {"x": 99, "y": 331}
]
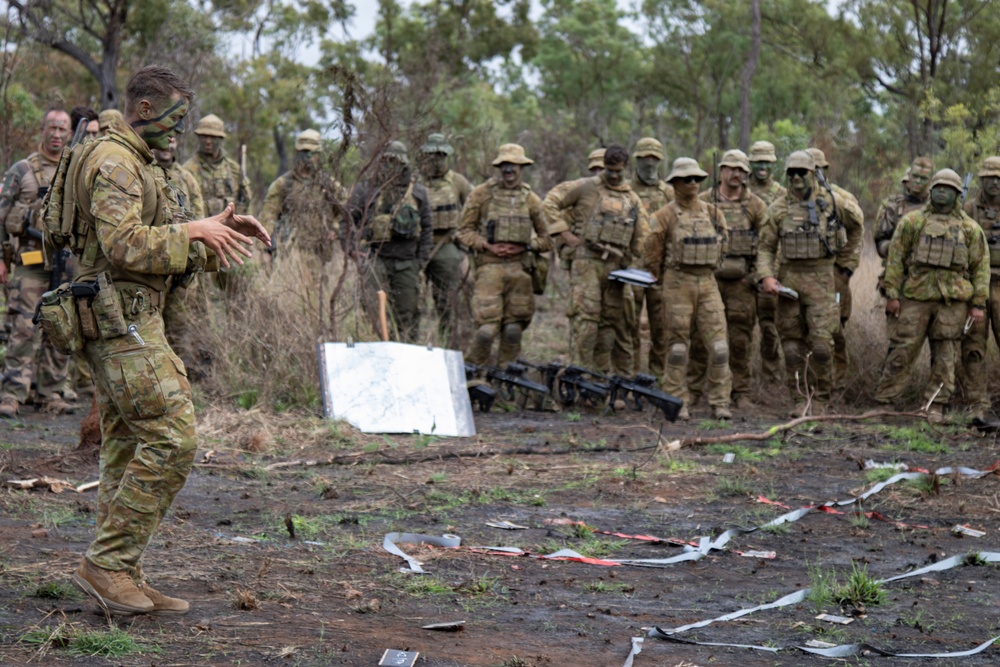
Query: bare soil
[{"x": 332, "y": 596}]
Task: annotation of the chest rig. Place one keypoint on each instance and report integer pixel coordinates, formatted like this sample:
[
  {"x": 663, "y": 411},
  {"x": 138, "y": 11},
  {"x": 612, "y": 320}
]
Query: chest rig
[
  {"x": 811, "y": 230},
  {"x": 508, "y": 219},
  {"x": 445, "y": 208},
  {"x": 612, "y": 221},
  {"x": 396, "y": 218},
  {"x": 942, "y": 244},
  {"x": 697, "y": 241},
  {"x": 988, "y": 218}
]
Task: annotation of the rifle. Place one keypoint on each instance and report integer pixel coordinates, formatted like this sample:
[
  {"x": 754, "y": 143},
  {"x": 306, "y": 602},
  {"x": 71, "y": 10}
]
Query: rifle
[
  {"x": 834, "y": 217},
  {"x": 965, "y": 185},
  {"x": 480, "y": 394},
  {"x": 573, "y": 382},
  {"x": 241, "y": 195},
  {"x": 643, "y": 386},
  {"x": 508, "y": 379}
]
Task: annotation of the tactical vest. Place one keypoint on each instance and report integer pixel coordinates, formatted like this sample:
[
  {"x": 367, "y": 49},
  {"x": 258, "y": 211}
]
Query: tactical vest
[
  {"x": 742, "y": 238},
  {"x": 395, "y": 220},
  {"x": 219, "y": 185},
  {"x": 508, "y": 219},
  {"x": 696, "y": 239},
  {"x": 942, "y": 244},
  {"x": 988, "y": 218},
  {"x": 653, "y": 197},
  {"x": 768, "y": 193},
  {"x": 810, "y": 230},
  {"x": 446, "y": 211},
  {"x": 25, "y": 211},
  {"x": 612, "y": 221}
]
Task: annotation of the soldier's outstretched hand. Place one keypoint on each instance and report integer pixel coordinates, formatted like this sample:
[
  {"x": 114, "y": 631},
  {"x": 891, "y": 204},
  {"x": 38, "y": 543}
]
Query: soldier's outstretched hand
[
  {"x": 217, "y": 233},
  {"x": 249, "y": 226}
]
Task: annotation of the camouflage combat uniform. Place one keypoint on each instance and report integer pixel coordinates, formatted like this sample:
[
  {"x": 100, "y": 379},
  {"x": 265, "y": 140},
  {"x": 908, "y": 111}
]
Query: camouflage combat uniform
[
  {"x": 503, "y": 302},
  {"x": 147, "y": 415},
  {"x": 612, "y": 224},
  {"x": 810, "y": 239},
  {"x": 301, "y": 208},
  {"x": 938, "y": 267},
  {"x": 653, "y": 197},
  {"x": 220, "y": 182},
  {"x": 736, "y": 281},
  {"x": 767, "y": 304},
  {"x": 687, "y": 244},
  {"x": 30, "y": 357},
  {"x": 974, "y": 371}
]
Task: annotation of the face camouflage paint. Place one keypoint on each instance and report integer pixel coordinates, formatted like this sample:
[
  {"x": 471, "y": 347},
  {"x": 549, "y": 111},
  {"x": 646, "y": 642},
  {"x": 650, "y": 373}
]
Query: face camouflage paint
[{"x": 157, "y": 131}]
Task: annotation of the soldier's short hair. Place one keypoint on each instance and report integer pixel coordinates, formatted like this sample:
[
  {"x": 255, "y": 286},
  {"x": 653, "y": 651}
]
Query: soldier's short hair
[
  {"x": 79, "y": 113},
  {"x": 615, "y": 154},
  {"x": 49, "y": 112},
  {"x": 155, "y": 83}
]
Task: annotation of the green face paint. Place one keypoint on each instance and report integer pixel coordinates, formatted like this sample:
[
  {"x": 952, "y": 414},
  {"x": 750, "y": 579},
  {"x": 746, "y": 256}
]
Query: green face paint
[
  {"x": 168, "y": 121},
  {"x": 943, "y": 198}
]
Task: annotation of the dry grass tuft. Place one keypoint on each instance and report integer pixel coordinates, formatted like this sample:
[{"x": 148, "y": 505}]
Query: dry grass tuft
[{"x": 245, "y": 600}]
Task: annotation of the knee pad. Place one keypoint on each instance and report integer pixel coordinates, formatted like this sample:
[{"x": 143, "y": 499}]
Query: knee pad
[
  {"x": 486, "y": 333},
  {"x": 793, "y": 355},
  {"x": 822, "y": 353},
  {"x": 720, "y": 353},
  {"x": 511, "y": 333},
  {"x": 678, "y": 355}
]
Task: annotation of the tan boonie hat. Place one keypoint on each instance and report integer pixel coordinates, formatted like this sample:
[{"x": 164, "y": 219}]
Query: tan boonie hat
[
  {"x": 819, "y": 157},
  {"x": 648, "y": 147},
  {"x": 762, "y": 151},
  {"x": 512, "y": 153},
  {"x": 596, "y": 159},
  {"x": 106, "y": 117},
  {"x": 991, "y": 167},
  {"x": 800, "y": 160},
  {"x": 308, "y": 140},
  {"x": 735, "y": 159},
  {"x": 948, "y": 177},
  {"x": 397, "y": 150},
  {"x": 684, "y": 167},
  {"x": 211, "y": 126},
  {"x": 436, "y": 143}
]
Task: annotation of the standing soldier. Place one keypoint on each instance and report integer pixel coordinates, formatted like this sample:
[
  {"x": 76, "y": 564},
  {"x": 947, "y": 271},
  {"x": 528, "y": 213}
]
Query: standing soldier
[
  {"x": 181, "y": 179},
  {"x": 21, "y": 193},
  {"x": 937, "y": 276},
  {"x": 610, "y": 228},
  {"x": 595, "y": 161},
  {"x": 221, "y": 179},
  {"x": 984, "y": 209},
  {"x": 392, "y": 213},
  {"x": 844, "y": 268},
  {"x": 655, "y": 193},
  {"x": 448, "y": 191},
  {"x": 762, "y": 184},
  {"x": 503, "y": 223},
  {"x": 915, "y": 195},
  {"x": 687, "y": 244},
  {"x": 132, "y": 247},
  {"x": 301, "y": 207},
  {"x": 804, "y": 229},
  {"x": 744, "y": 213}
]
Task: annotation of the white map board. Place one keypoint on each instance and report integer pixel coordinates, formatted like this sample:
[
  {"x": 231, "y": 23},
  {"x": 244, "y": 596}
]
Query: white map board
[{"x": 396, "y": 388}]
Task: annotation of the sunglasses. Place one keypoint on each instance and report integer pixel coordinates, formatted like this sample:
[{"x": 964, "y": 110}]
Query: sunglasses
[
  {"x": 801, "y": 173},
  {"x": 690, "y": 179}
]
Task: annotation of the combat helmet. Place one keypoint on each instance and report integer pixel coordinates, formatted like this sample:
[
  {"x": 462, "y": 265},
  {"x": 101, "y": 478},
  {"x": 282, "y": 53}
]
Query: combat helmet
[
  {"x": 947, "y": 177},
  {"x": 211, "y": 126},
  {"x": 819, "y": 157},
  {"x": 685, "y": 166},
  {"x": 800, "y": 160},
  {"x": 512, "y": 153},
  {"x": 648, "y": 147},
  {"x": 308, "y": 140},
  {"x": 596, "y": 159},
  {"x": 991, "y": 167},
  {"x": 736, "y": 159},
  {"x": 436, "y": 143},
  {"x": 762, "y": 151}
]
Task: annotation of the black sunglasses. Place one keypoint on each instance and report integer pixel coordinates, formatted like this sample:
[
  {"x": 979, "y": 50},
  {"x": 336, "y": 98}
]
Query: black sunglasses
[
  {"x": 690, "y": 179},
  {"x": 798, "y": 172}
]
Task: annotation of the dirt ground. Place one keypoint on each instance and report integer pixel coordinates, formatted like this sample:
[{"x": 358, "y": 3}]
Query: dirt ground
[{"x": 332, "y": 596}]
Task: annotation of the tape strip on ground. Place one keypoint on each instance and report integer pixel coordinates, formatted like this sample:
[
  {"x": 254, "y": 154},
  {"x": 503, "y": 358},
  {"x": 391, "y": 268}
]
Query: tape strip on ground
[
  {"x": 842, "y": 651},
  {"x": 389, "y": 544}
]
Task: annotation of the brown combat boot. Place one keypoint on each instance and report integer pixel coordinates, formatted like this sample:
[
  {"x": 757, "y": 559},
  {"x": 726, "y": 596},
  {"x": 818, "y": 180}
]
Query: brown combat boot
[
  {"x": 163, "y": 605},
  {"x": 114, "y": 591},
  {"x": 55, "y": 405},
  {"x": 8, "y": 407}
]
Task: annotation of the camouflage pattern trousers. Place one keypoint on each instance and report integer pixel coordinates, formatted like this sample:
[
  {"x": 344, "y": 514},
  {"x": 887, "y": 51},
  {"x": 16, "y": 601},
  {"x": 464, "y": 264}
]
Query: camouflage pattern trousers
[
  {"x": 148, "y": 439},
  {"x": 653, "y": 298},
  {"x": 806, "y": 327},
  {"x": 740, "y": 300},
  {"x": 841, "y": 358},
  {"x": 400, "y": 280},
  {"x": 694, "y": 308},
  {"x": 973, "y": 373},
  {"x": 30, "y": 356},
  {"x": 444, "y": 275},
  {"x": 602, "y": 338},
  {"x": 937, "y": 322},
  {"x": 186, "y": 307},
  {"x": 502, "y": 305},
  {"x": 771, "y": 362}
]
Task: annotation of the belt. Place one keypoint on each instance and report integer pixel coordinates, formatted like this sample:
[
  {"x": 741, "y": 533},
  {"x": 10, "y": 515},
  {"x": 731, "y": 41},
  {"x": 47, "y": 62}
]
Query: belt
[{"x": 136, "y": 297}]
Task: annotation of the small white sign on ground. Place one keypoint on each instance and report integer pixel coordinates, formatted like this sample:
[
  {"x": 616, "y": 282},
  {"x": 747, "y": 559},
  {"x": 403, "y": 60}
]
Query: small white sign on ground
[{"x": 396, "y": 388}]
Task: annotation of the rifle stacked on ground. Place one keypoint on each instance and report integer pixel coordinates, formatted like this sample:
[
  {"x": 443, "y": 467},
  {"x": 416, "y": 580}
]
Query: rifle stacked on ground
[{"x": 570, "y": 384}]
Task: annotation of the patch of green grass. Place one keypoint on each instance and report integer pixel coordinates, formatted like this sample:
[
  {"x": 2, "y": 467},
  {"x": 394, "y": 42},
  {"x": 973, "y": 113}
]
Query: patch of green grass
[
  {"x": 437, "y": 478},
  {"x": 6, "y": 446},
  {"x": 422, "y": 586},
  {"x": 572, "y": 416},
  {"x": 860, "y": 589},
  {"x": 821, "y": 586},
  {"x": 926, "y": 485},
  {"x": 672, "y": 465},
  {"x": 777, "y": 528},
  {"x": 247, "y": 399},
  {"x": 975, "y": 559},
  {"x": 920, "y": 438},
  {"x": 55, "y": 590},
  {"x": 515, "y": 661},
  {"x": 111, "y": 643},
  {"x": 876, "y": 475},
  {"x": 713, "y": 424},
  {"x": 741, "y": 452},
  {"x": 733, "y": 487},
  {"x": 582, "y": 531},
  {"x": 55, "y": 517},
  {"x": 630, "y": 473}
]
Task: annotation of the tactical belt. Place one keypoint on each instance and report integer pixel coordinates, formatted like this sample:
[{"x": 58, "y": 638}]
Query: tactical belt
[
  {"x": 487, "y": 257},
  {"x": 445, "y": 207},
  {"x": 586, "y": 251},
  {"x": 136, "y": 298}
]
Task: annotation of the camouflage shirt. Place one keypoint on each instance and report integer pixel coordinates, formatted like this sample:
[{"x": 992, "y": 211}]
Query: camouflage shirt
[
  {"x": 967, "y": 278},
  {"x": 19, "y": 201},
  {"x": 188, "y": 185},
  {"x": 303, "y": 209},
  {"x": 220, "y": 183},
  {"x": 890, "y": 212},
  {"x": 654, "y": 197},
  {"x": 769, "y": 192},
  {"x": 661, "y": 245},
  {"x": 987, "y": 214},
  {"x": 473, "y": 230}
]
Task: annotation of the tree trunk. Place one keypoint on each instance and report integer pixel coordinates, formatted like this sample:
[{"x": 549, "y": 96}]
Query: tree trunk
[
  {"x": 748, "y": 71},
  {"x": 280, "y": 149}
]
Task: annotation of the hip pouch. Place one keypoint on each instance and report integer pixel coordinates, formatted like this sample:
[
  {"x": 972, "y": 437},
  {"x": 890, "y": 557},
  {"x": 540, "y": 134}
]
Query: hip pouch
[
  {"x": 733, "y": 268},
  {"x": 380, "y": 228},
  {"x": 107, "y": 308},
  {"x": 56, "y": 315},
  {"x": 994, "y": 251}
]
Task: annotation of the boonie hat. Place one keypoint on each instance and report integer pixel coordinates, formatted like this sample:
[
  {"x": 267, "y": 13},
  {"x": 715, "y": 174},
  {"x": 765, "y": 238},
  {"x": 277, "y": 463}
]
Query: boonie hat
[
  {"x": 512, "y": 153},
  {"x": 211, "y": 126},
  {"x": 947, "y": 177},
  {"x": 735, "y": 159},
  {"x": 991, "y": 167},
  {"x": 436, "y": 143},
  {"x": 819, "y": 157},
  {"x": 308, "y": 140},
  {"x": 684, "y": 167},
  {"x": 596, "y": 159},
  {"x": 762, "y": 151},
  {"x": 648, "y": 147},
  {"x": 800, "y": 160}
]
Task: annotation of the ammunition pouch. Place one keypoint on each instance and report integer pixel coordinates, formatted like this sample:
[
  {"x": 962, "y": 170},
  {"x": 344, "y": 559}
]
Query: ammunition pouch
[
  {"x": 18, "y": 219},
  {"x": 699, "y": 251},
  {"x": 56, "y": 314},
  {"x": 733, "y": 268},
  {"x": 803, "y": 244},
  {"x": 613, "y": 223},
  {"x": 742, "y": 243},
  {"x": 940, "y": 252},
  {"x": 994, "y": 246},
  {"x": 380, "y": 228},
  {"x": 510, "y": 229}
]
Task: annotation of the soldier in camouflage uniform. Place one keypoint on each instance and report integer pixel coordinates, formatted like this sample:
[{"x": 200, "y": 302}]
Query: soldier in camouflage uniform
[
  {"x": 448, "y": 190},
  {"x": 655, "y": 193},
  {"x": 973, "y": 375},
  {"x": 30, "y": 356},
  {"x": 810, "y": 231},
  {"x": 936, "y": 276},
  {"x": 762, "y": 184},
  {"x": 689, "y": 238},
  {"x": 744, "y": 213},
  {"x": 609, "y": 228},
  {"x": 218, "y": 174},
  {"x": 503, "y": 223},
  {"x": 132, "y": 247},
  {"x": 915, "y": 195},
  {"x": 845, "y": 268},
  {"x": 392, "y": 225}
]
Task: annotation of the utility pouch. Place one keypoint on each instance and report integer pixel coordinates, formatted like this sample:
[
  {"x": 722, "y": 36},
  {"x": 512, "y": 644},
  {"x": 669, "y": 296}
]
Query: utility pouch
[
  {"x": 512, "y": 229},
  {"x": 56, "y": 315},
  {"x": 699, "y": 251},
  {"x": 733, "y": 268},
  {"x": 538, "y": 267},
  {"x": 107, "y": 309},
  {"x": 381, "y": 228},
  {"x": 742, "y": 242},
  {"x": 406, "y": 223},
  {"x": 841, "y": 240},
  {"x": 960, "y": 260},
  {"x": 936, "y": 251}
]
